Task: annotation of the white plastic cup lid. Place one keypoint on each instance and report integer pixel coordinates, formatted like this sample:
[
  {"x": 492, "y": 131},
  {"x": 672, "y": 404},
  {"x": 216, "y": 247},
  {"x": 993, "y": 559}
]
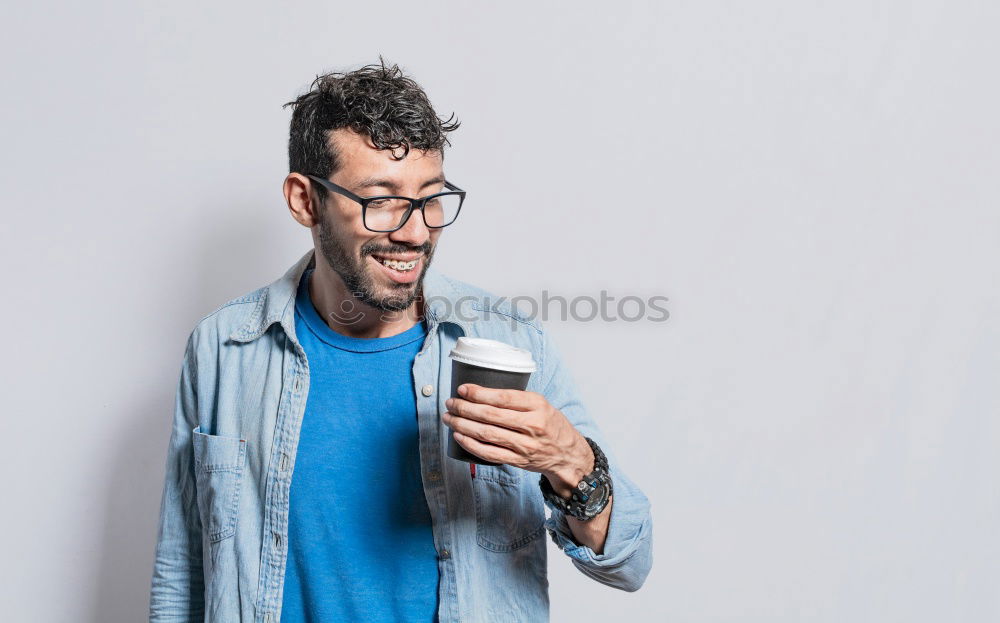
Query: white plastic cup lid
[{"x": 477, "y": 351}]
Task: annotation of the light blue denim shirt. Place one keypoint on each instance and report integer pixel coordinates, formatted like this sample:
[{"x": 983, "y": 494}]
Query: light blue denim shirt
[{"x": 222, "y": 533}]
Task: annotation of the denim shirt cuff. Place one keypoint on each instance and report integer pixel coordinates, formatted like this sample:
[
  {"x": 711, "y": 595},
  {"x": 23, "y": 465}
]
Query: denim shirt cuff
[{"x": 627, "y": 529}]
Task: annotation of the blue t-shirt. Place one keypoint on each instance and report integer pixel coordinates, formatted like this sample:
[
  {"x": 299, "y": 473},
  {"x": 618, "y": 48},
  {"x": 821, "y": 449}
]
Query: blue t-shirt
[{"x": 360, "y": 546}]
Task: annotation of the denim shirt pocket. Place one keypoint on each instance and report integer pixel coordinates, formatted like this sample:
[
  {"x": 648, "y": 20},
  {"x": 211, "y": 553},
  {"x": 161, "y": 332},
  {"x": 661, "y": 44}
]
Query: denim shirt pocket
[
  {"x": 508, "y": 515},
  {"x": 218, "y": 474}
]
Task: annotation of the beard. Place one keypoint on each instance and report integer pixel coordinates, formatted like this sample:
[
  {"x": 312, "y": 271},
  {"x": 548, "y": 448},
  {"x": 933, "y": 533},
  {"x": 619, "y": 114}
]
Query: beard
[{"x": 357, "y": 274}]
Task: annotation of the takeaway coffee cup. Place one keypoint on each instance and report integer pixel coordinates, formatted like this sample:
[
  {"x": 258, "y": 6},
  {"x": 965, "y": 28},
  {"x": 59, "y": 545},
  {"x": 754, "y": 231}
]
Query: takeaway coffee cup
[{"x": 491, "y": 364}]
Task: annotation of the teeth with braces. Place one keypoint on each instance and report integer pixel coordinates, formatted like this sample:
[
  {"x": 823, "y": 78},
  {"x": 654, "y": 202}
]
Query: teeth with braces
[{"x": 400, "y": 266}]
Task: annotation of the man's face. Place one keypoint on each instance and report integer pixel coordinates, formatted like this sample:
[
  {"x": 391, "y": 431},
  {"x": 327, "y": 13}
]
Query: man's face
[{"x": 357, "y": 254}]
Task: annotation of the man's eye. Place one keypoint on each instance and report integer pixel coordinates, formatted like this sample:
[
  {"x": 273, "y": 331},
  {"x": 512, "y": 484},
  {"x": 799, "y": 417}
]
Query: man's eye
[{"x": 378, "y": 203}]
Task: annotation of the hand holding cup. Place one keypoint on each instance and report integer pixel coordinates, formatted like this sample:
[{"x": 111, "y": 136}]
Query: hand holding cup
[{"x": 494, "y": 421}]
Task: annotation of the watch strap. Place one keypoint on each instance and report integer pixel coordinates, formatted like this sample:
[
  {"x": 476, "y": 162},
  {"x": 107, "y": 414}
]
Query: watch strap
[{"x": 576, "y": 506}]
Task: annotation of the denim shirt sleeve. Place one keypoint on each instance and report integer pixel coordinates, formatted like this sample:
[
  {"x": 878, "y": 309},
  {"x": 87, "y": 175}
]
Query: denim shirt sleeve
[
  {"x": 177, "y": 592},
  {"x": 627, "y": 556}
]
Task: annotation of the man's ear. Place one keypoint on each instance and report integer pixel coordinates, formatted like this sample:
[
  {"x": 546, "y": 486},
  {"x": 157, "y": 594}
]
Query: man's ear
[{"x": 301, "y": 200}]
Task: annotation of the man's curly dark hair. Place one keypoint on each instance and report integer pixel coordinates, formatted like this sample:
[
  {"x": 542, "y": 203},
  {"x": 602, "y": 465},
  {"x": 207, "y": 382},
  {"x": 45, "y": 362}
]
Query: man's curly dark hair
[{"x": 375, "y": 100}]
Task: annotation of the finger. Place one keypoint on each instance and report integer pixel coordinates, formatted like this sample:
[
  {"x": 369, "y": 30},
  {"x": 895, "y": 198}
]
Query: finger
[
  {"x": 513, "y": 399},
  {"x": 486, "y": 451},
  {"x": 486, "y": 433},
  {"x": 514, "y": 420}
]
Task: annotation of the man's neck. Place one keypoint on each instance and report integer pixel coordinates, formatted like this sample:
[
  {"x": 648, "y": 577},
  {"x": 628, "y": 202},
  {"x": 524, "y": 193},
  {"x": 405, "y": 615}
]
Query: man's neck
[{"x": 327, "y": 292}]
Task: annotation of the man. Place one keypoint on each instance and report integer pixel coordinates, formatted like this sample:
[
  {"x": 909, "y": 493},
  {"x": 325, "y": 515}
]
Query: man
[{"x": 338, "y": 373}]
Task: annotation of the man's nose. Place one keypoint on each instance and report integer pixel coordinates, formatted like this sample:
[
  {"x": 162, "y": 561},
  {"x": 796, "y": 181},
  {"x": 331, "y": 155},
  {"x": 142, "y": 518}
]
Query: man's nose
[{"x": 413, "y": 232}]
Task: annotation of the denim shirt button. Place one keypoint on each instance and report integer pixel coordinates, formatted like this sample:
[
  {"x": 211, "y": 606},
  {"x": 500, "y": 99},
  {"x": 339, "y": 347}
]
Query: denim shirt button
[
  {"x": 445, "y": 554},
  {"x": 427, "y": 390},
  {"x": 434, "y": 475}
]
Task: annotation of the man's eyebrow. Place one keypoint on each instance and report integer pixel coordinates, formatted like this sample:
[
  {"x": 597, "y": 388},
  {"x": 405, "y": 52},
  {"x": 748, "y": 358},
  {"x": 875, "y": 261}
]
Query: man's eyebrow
[{"x": 369, "y": 182}]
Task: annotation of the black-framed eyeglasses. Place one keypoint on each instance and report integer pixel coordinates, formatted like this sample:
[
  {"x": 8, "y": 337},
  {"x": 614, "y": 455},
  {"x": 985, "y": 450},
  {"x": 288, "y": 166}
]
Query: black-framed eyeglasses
[{"x": 387, "y": 213}]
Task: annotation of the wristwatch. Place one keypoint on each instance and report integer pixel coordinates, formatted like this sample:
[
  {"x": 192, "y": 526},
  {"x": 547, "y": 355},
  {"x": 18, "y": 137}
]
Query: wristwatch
[{"x": 591, "y": 494}]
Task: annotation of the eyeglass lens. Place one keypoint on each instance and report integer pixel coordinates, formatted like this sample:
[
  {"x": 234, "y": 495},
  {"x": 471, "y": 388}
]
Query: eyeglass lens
[{"x": 388, "y": 213}]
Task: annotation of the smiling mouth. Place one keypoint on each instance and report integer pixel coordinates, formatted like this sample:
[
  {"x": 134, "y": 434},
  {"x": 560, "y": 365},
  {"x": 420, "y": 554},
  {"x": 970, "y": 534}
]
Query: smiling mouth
[
  {"x": 400, "y": 271},
  {"x": 398, "y": 265}
]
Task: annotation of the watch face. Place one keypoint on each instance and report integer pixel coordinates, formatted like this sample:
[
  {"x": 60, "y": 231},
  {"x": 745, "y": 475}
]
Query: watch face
[{"x": 598, "y": 497}]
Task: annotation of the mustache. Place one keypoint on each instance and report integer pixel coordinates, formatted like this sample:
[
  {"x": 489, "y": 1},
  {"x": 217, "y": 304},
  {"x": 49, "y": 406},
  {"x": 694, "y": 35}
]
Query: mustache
[{"x": 424, "y": 249}]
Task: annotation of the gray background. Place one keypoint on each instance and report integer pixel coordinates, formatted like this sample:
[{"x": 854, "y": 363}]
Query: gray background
[{"x": 813, "y": 185}]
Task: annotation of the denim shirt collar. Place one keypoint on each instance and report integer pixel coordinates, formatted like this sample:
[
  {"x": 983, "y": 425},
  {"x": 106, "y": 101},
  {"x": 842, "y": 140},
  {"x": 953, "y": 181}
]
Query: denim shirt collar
[{"x": 276, "y": 302}]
